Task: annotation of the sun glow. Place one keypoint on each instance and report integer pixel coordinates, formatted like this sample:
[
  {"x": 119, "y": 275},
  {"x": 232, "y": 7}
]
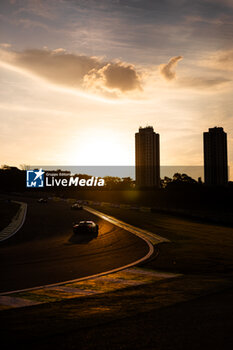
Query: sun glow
[{"x": 97, "y": 147}]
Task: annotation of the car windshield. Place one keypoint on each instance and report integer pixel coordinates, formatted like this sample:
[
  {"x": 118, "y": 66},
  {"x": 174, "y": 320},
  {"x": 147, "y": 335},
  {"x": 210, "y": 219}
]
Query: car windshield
[{"x": 86, "y": 224}]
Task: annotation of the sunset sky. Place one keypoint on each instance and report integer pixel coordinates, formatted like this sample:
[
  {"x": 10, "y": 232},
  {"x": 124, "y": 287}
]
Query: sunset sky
[{"x": 78, "y": 78}]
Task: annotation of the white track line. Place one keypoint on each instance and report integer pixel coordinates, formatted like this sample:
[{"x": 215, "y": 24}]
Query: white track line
[{"x": 144, "y": 234}]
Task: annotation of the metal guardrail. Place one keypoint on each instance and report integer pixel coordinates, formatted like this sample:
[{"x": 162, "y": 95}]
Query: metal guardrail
[{"x": 16, "y": 223}]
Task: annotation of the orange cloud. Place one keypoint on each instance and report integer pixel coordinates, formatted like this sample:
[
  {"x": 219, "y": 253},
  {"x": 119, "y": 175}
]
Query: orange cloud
[
  {"x": 222, "y": 60},
  {"x": 205, "y": 83},
  {"x": 76, "y": 71},
  {"x": 167, "y": 70},
  {"x": 112, "y": 76}
]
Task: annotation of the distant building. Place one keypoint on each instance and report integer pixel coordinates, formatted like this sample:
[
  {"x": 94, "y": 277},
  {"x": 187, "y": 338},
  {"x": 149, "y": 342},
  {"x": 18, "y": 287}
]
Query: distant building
[
  {"x": 147, "y": 157},
  {"x": 215, "y": 157}
]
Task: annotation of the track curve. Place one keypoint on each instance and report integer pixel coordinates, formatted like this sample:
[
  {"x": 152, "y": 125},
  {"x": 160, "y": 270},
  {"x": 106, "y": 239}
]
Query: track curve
[{"x": 45, "y": 251}]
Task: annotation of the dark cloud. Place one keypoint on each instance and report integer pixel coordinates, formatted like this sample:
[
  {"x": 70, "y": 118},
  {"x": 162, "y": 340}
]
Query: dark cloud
[
  {"x": 113, "y": 76},
  {"x": 142, "y": 31},
  {"x": 76, "y": 71},
  {"x": 118, "y": 74},
  {"x": 167, "y": 70}
]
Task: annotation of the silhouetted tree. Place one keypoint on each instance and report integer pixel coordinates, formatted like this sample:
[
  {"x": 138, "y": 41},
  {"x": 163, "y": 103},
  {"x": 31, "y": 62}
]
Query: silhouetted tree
[
  {"x": 177, "y": 177},
  {"x": 127, "y": 183},
  {"x": 165, "y": 181},
  {"x": 25, "y": 167}
]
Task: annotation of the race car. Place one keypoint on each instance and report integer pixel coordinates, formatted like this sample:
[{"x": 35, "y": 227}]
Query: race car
[
  {"x": 86, "y": 227},
  {"x": 42, "y": 200},
  {"x": 76, "y": 206}
]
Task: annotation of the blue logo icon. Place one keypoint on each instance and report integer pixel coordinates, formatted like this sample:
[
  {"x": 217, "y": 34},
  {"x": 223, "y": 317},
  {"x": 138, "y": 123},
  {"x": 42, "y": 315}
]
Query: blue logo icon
[{"x": 35, "y": 178}]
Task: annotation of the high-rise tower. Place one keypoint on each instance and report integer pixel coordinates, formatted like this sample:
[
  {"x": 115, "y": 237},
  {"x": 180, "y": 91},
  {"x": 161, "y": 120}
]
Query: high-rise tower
[
  {"x": 215, "y": 157},
  {"x": 147, "y": 157}
]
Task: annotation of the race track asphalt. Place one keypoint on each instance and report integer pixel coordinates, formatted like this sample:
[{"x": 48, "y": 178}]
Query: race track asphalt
[{"x": 45, "y": 251}]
